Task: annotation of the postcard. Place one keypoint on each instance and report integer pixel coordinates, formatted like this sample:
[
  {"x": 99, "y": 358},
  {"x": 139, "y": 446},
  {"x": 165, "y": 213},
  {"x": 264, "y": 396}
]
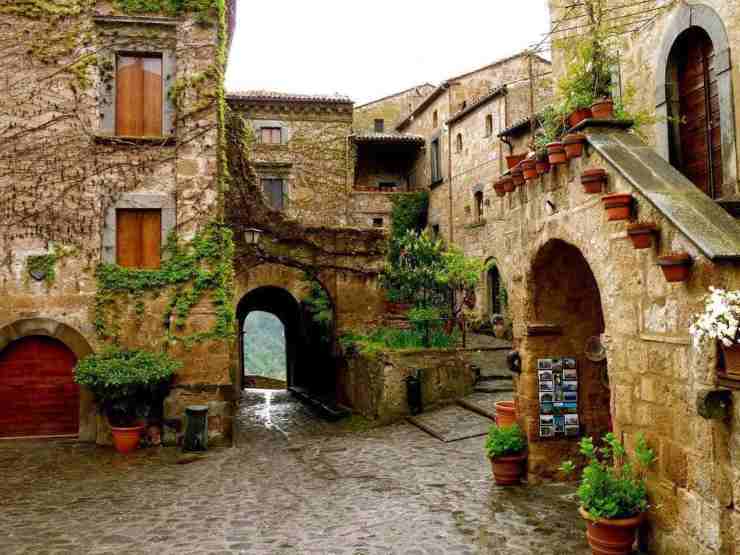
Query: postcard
[
  {"x": 570, "y": 386},
  {"x": 571, "y": 430},
  {"x": 571, "y": 420},
  {"x": 546, "y": 386},
  {"x": 546, "y": 431},
  {"x": 545, "y": 375},
  {"x": 570, "y": 396},
  {"x": 570, "y": 374},
  {"x": 544, "y": 364},
  {"x": 569, "y": 363}
]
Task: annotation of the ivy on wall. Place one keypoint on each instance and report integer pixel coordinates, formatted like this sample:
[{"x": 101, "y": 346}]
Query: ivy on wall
[{"x": 189, "y": 271}]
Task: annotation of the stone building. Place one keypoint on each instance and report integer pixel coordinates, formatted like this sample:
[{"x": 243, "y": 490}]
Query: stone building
[
  {"x": 576, "y": 282},
  {"x": 382, "y": 115},
  {"x": 111, "y": 142}
]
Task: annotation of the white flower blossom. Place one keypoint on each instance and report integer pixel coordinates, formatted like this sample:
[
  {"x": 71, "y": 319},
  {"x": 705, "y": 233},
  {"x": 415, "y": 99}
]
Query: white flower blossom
[{"x": 720, "y": 319}]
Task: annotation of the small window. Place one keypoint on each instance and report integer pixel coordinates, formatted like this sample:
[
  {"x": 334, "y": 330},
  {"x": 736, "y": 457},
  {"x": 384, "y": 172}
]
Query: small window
[
  {"x": 435, "y": 161},
  {"x": 435, "y": 231},
  {"x": 379, "y": 125},
  {"x": 387, "y": 186},
  {"x": 274, "y": 190},
  {"x": 139, "y": 96},
  {"x": 377, "y": 222},
  {"x": 489, "y": 125},
  {"x": 271, "y": 135},
  {"x": 458, "y": 143},
  {"x": 435, "y": 119},
  {"x": 138, "y": 238},
  {"x": 463, "y": 104},
  {"x": 479, "y": 206}
]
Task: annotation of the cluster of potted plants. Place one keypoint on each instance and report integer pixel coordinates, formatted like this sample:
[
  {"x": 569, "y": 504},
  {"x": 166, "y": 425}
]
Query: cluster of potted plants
[
  {"x": 613, "y": 493},
  {"x": 128, "y": 386},
  {"x": 720, "y": 322}
]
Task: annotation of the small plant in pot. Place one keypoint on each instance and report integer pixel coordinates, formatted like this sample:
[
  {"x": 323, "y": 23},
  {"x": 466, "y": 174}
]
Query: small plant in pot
[
  {"x": 720, "y": 321},
  {"x": 613, "y": 493},
  {"x": 126, "y": 385},
  {"x": 506, "y": 447}
]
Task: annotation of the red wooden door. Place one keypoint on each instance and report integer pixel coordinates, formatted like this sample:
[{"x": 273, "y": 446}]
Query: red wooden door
[
  {"x": 38, "y": 396},
  {"x": 701, "y": 147}
]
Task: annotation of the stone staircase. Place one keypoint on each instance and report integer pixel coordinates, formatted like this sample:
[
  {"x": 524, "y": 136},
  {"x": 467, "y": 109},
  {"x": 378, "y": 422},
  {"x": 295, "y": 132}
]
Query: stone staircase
[{"x": 495, "y": 382}]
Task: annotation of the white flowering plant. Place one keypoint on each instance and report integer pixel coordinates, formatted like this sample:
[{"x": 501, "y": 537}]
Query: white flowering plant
[{"x": 720, "y": 319}]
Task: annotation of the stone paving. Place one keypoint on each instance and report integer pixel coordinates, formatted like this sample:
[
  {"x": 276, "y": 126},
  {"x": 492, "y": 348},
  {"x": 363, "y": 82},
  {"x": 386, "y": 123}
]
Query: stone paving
[{"x": 295, "y": 485}]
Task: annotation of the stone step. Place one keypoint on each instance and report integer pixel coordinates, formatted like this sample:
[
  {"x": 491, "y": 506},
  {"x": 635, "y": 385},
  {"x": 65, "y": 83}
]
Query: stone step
[
  {"x": 498, "y": 377},
  {"x": 484, "y": 403},
  {"x": 323, "y": 404},
  {"x": 494, "y": 387}
]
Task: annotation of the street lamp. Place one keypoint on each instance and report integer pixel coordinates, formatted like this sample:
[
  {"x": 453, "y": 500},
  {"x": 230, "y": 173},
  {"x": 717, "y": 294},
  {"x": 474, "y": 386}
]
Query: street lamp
[{"x": 252, "y": 236}]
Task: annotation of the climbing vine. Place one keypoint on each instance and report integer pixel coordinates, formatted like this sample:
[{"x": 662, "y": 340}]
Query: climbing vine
[
  {"x": 45, "y": 264},
  {"x": 189, "y": 272}
]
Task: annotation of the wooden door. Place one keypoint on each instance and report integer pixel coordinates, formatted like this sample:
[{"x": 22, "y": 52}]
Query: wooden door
[
  {"x": 700, "y": 140},
  {"x": 38, "y": 396}
]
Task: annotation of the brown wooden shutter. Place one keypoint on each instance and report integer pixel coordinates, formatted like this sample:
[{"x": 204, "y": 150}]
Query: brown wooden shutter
[
  {"x": 138, "y": 238},
  {"x": 139, "y": 96}
]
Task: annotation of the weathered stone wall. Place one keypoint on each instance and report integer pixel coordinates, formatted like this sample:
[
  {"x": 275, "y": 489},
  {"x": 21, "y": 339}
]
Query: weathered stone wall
[
  {"x": 391, "y": 109},
  {"x": 375, "y": 386},
  {"x": 61, "y": 172}
]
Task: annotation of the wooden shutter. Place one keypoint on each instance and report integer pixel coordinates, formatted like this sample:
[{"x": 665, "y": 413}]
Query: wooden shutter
[
  {"x": 138, "y": 238},
  {"x": 139, "y": 96}
]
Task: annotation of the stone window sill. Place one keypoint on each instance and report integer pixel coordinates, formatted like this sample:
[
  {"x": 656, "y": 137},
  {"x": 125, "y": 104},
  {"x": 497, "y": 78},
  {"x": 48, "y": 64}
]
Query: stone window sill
[{"x": 165, "y": 140}]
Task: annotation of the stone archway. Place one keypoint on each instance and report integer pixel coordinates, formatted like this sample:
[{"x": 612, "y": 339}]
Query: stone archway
[
  {"x": 564, "y": 314},
  {"x": 75, "y": 342},
  {"x": 698, "y": 16}
]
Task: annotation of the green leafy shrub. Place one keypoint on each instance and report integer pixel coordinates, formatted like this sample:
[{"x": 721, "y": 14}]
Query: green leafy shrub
[
  {"x": 502, "y": 442},
  {"x": 126, "y": 383},
  {"x": 611, "y": 486},
  {"x": 390, "y": 339},
  {"x": 319, "y": 306}
]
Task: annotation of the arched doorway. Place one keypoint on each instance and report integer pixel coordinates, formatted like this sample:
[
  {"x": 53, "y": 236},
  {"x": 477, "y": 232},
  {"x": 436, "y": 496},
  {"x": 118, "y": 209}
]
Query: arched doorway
[
  {"x": 565, "y": 324},
  {"x": 265, "y": 359},
  {"x": 38, "y": 396},
  {"x": 694, "y": 110},
  {"x": 496, "y": 291}
]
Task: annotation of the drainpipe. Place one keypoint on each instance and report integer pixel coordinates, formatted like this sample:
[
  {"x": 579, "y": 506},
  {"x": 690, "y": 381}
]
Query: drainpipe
[{"x": 449, "y": 166}]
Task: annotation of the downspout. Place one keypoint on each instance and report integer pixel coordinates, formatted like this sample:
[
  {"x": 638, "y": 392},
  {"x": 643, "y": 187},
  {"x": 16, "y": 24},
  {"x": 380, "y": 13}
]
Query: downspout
[{"x": 449, "y": 166}]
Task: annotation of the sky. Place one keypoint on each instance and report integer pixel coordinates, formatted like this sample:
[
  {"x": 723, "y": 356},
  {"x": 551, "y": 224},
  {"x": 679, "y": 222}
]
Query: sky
[{"x": 366, "y": 49}]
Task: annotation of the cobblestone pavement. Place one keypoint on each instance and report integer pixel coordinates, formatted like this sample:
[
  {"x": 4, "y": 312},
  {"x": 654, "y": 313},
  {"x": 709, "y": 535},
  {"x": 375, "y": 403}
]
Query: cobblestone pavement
[{"x": 295, "y": 485}]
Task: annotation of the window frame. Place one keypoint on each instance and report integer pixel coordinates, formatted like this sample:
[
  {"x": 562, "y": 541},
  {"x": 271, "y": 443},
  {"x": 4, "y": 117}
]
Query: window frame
[
  {"x": 284, "y": 186},
  {"x": 379, "y": 128},
  {"x": 435, "y": 157}
]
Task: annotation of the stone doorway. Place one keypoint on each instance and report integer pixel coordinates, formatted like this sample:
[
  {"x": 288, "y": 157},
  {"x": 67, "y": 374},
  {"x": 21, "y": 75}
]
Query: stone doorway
[{"x": 565, "y": 319}]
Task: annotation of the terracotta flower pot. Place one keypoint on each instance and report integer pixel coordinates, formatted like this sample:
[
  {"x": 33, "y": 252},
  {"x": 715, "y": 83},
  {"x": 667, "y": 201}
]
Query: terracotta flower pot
[
  {"x": 556, "y": 153},
  {"x": 603, "y": 108},
  {"x": 513, "y": 159},
  {"x": 611, "y": 536},
  {"x": 508, "y": 470},
  {"x": 508, "y": 184},
  {"x": 542, "y": 166},
  {"x": 517, "y": 175},
  {"x": 573, "y": 144},
  {"x": 397, "y": 308},
  {"x": 499, "y": 188},
  {"x": 593, "y": 180},
  {"x": 529, "y": 169},
  {"x": 732, "y": 359},
  {"x": 618, "y": 206},
  {"x": 641, "y": 234},
  {"x": 676, "y": 266},
  {"x": 505, "y": 413},
  {"x": 577, "y": 116},
  {"x": 126, "y": 440}
]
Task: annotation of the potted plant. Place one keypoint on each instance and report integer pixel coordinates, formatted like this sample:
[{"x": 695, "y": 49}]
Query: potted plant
[
  {"x": 529, "y": 169},
  {"x": 613, "y": 493},
  {"x": 542, "y": 165},
  {"x": 603, "y": 108},
  {"x": 513, "y": 159},
  {"x": 506, "y": 448},
  {"x": 126, "y": 385},
  {"x": 508, "y": 184},
  {"x": 499, "y": 188},
  {"x": 593, "y": 180},
  {"x": 676, "y": 266},
  {"x": 577, "y": 115},
  {"x": 573, "y": 144},
  {"x": 556, "y": 153},
  {"x": 517, "y": 175},
  {"x": 719, "y": 321},
  {"x": 641, "y": 234},
  {"x": 618, "y": 206}
]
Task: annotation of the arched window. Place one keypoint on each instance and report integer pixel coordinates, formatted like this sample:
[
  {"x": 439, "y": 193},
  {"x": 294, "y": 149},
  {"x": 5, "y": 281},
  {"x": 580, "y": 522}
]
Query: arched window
[
  {"x": 695, "y": 140},
  {"x": 435, "y": 119},
  {"x": 458, "y": 142},
  {"x": 489, "y": 125},
  {"x": 478, "y": 206},
  {"x": 495, "y": 296},
  {"x": 694, "y": 97}
]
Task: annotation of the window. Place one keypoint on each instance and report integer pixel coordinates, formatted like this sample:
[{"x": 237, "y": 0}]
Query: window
[
  {"x": 139, "y": 95},
  {"x": 435, "y": 231},
  {"x": 379, "y": 125},
  {"x": 458, "y": 143},
  {"x": 271, "y": 135},
  {"x": 274, "y": 190},
  {"x": 435, "y": 160},
  {"x": 377, "y": 222},
  {"x": 479, "y": 206},
  {"x": 138, "y": 238},
  {"x": 463, "y": 104},
  {"x": 489, "y": 125},
  {"x": 387, "y": 186},
  {"x": 435, "y": 119}
]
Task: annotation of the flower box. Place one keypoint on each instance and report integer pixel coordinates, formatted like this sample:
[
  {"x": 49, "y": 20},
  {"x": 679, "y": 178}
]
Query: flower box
[
  {"x": 593, "y": 180},
  {"x": 618, "y": 206},
  {"x": 676, "y": 266}
]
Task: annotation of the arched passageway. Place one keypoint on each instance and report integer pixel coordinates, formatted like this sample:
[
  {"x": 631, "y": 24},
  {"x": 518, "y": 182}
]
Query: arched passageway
[
  {"x": 272, "y": 314},
  {"x": 566, "y": 323}
]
